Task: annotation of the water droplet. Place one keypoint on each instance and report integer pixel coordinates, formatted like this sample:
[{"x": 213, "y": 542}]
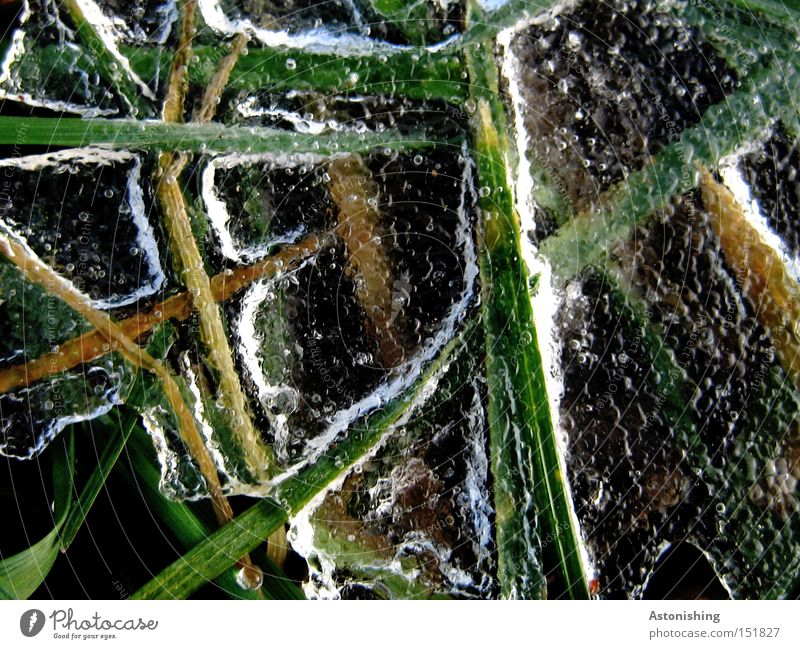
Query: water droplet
[{"x": 250, "y": 577}]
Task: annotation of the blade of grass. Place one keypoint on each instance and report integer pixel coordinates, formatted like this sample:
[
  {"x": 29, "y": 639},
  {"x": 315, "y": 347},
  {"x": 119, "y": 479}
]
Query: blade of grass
[
  {"x": 187, "y": 258},
  {"x": 530, "y": 494},
  {"x": 79, "y": 511},
  {"x": 190, "y": 266},
  {"x": 22, "y": 573},
  {"x": 64, "y": 477},
  {"x": 768, "y": 94},
  {"x": 193, "y": 137},
  {"x": 208, "y": 559},
  {"x": 408, "y": 72},
  {"x": 190, "y": 530}
]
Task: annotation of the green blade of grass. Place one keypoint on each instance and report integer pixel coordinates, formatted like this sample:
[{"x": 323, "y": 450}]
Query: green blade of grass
[
  {"x": 767, "y": 95},
  {"x": 190, "y": 530},
  {"x": 192, "y": 137},
  {"x": 216, "y": 553},
  {"x": 22, "y": 573},
  {"x": 79, "y": 511},
  {"x": 531, "y": 500},
  {"x": 408, "y": 72},
  {"x": 411, "y": 73},
  {"x": 64, "y": 477}
]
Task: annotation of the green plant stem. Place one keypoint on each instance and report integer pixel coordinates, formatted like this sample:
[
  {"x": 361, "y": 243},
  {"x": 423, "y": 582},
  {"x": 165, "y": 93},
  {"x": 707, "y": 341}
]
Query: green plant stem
[
  {"x": 194, "y": 138},
  {"x": 530, "y": 494}
]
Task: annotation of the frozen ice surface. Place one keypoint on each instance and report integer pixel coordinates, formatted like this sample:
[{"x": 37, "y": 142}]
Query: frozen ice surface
[
  {"x": 413, "y": 520},
  {"x": 82, "y": 210},
  {"x": 45, "y": 66}
]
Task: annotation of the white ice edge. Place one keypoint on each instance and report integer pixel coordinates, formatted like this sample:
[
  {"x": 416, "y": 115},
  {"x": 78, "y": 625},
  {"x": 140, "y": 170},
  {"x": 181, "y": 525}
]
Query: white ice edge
[
  {"x": 537, "y": 18},
  {"x": 200, "y": 410},
  {"x": 306, "y": 126},
  {"x": 84, "y": 156},
  {"x": 217, "y": 210},
  {"x": 733, "y": 179},
  {"x": 107, "y": 33},
  {"x": 663, "y": 547},
  {"x": 315, "y": 40},
  {"x": 249, "y": 355},
  {"x": 16, "y": 51},
  {"x": 145, "y": 237}
]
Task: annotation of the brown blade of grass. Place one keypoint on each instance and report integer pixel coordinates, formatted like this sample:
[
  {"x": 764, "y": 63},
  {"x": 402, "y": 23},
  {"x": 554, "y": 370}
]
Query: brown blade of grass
[
  {"x": 190, "y": 264},
  {"x": 187, "y": 253},
  {"x": 356, "y": 196},
  {"x": 219, "y": 80},
  {"x": 92, "y": 344},
  {"x": 759, "y": 271},
  {"x": 178, "y": 75}
]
